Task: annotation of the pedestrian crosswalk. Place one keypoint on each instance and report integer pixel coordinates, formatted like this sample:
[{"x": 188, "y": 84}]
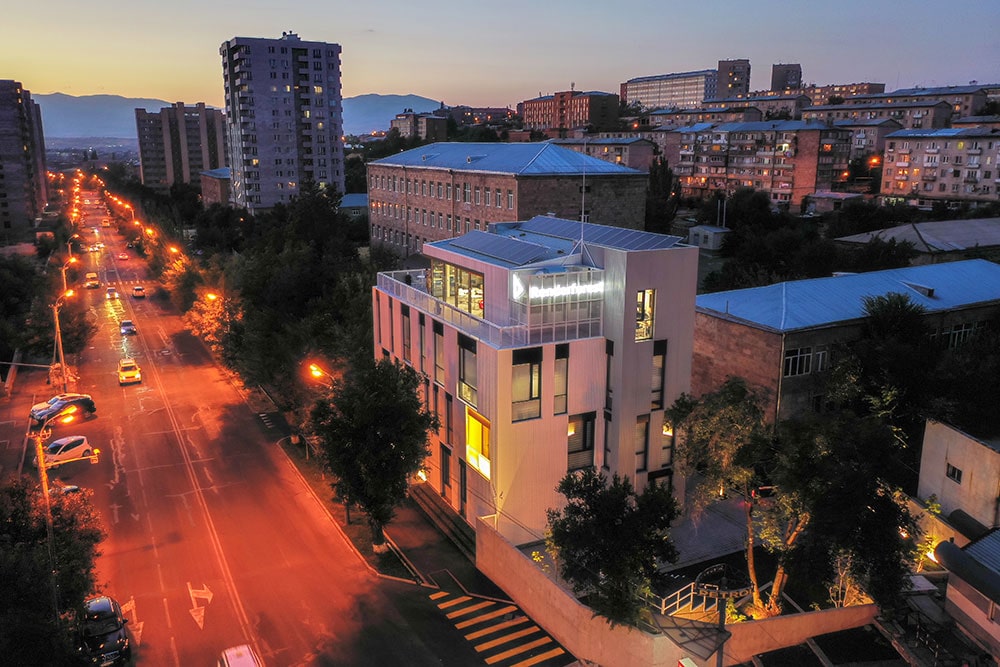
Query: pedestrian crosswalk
[{"x": 500, "y": 633}]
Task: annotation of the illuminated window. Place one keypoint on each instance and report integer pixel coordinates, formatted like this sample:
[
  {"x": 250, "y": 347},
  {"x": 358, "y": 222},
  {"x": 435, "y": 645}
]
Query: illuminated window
[
  {"x": 667, "y": 444},
  {"x": 526, "y": 384},
  {"x": 477, "y": 441},
  {"x": 645, "y": 304},
  {"x": 580, "y": 441}
]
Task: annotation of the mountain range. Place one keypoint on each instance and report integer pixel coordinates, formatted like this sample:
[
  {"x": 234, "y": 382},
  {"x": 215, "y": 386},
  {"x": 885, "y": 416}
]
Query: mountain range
[{"x": 113, "y": 116}]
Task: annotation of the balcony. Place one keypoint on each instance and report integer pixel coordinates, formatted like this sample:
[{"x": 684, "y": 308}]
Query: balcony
[
  {"x": 929, "y": 176},
  {"x": 495, "y": 335},
  {"x": 974, "y": 151},
  {"x": 931, "y": 151}
]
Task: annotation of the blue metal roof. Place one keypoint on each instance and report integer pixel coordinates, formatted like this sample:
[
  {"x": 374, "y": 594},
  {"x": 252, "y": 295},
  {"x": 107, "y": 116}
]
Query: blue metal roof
[
  {"x": 354, "y": 200},
  {"x": 221, "y": 172},
  {"x": 543, "y": 226},
  {"x": 805, "y": 304},
  {"x": 523, "y": 159},
  {"x": 946, "y": 133}
]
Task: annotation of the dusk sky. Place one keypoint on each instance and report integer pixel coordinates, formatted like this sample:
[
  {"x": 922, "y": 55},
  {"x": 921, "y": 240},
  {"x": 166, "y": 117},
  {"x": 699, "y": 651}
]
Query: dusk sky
[{"x": 497, "y": 54}]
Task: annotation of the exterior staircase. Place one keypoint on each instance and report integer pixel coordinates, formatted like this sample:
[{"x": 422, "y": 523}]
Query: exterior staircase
[{"x": 445, "y": 519}]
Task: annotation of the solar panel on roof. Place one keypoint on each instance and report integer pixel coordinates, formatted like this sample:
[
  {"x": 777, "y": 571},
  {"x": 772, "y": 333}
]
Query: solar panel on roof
[
  {"x": 615, "y": 237},
  {"x": 506, "y": 249}
]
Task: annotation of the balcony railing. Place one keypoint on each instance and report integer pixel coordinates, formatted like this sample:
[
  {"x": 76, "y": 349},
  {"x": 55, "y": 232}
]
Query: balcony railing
[{"x": 498, "y": 336}]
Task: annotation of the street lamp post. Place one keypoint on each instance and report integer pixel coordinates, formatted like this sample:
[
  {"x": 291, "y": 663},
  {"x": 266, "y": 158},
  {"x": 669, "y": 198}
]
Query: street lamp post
[
  {"x": 59, "y": 345},
  {"x": 72, "y": 260}
]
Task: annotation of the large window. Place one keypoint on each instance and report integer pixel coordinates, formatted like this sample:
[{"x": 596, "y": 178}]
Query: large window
[
  {"x": 659, "y": 363},
  {"x": 644, "y": 306},
  {"x": 421, "y": 325},
  {"x": 404, "y": 312},
  {"x": 667, "y": 444},
  {"x": 609, "y": 353},
  {"x": 580, "y": 441},
  {"x": 560, "y": 379},
  {"x": 641, "y": 442},
  {"x": 798, "y": 361},
  {"x": 438, "y": 352},
  {"x": 526, "y": 384},
  {"x": 467, "y": 376},
  {"x": 477, "y": 441},
  {"x": 459, "y": 287}
]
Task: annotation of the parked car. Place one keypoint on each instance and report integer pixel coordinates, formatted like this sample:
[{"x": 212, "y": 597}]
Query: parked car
[
  {"x": 104, "y": 637},
  {"x": 64, "y": 450},
  {"x": 63, "y": 404},
  {"x": 127, "y": 328},
  {"x": 91, "y": 280},
  {"x": 139, "y": 292},
  {"x": 123, "y": 255},
  {"x": 111, "y": 293},
  {"x": 128, "y": 371},
  {"x": 240, "y": 656}
]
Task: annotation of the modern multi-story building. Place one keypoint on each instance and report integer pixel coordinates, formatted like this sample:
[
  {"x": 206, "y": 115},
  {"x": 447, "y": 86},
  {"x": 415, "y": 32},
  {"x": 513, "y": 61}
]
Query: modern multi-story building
[
  {"x": 950, "y": 164},
  {"x": 284, "y": 117},
  {"x": 734, "y": 79},
  {"x": 780, "y": 338},
  {"x": 681, "y": 90},
  {"x": 442, "y": 190},
  {"x": 786, "y": 77},
  {"x": 789, "y": 159},
  {"x": 23, "y": 177},
  {"x": 179, "y": 142},
  {"x": 570, "y": 109},
  {"x": 548, "y": 346}
]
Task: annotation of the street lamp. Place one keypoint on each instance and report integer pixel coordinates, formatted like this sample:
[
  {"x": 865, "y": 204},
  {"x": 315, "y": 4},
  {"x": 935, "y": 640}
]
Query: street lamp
[
  {"x": 59, "y": 346},
  {"x": 72, "y": 260}
]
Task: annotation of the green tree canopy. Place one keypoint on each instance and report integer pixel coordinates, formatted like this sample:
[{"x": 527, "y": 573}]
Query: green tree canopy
[
  {"x": 610, "y": 541},
  {"x": 373, "y": 431}
]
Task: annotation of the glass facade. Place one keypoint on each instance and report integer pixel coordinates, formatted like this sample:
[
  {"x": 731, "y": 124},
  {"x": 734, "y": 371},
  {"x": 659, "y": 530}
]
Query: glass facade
[{"x": 456, "y": 286}]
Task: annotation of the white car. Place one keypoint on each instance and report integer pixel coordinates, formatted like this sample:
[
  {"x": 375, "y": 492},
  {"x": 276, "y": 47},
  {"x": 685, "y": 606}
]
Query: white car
[{"x": 66, "y": 449}]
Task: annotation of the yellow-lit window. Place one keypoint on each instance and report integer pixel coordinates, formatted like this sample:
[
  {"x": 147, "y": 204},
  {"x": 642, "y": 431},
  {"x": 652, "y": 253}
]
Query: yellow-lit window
[
  {"x": 645, "y": 302},
  {"x": 477, "y": 441}
]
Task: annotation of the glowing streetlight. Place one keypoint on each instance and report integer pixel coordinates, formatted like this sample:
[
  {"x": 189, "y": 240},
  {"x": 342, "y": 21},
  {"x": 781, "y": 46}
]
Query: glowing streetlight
[
  {"x": 319, "y": 373},
  {"x": 59, "y": 345},
  {"x": 72, "y": 260}
]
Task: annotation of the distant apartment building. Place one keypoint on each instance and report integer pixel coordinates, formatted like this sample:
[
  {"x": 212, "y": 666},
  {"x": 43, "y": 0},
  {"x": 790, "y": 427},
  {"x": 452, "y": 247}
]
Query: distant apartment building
[
  {"x": 685, "y": 117},
  {"x": 570, "y": 109},
  {"x": 788, "y": 160},
  {"x": 786, "y": 77},
  {"x": 734, "y": 79},
  {"x": 423, "y": 126},
  {"x": 215, "y": 187},
  {"x": 919, "y": 114},
  {"x": 284, "y": 117},
  {"x": 823, "y": 94},
  {"x": 781, "y": 338},
  {"x": 179, "y": 142},
  {"x": 789, "y": 106},
  {"x": 632, "y": 152},
  {"x": 964, "y": 100},
  {"x": 682, "y": 90},
  {"x": 466, "y": 115},
  {"x": 23, "y": 176},
  {"x": 868, "y": 135},
  {"x": 943, "y": 165},
  {"x": 548, "y": 346},
  {"x": 443, "y": 190}
]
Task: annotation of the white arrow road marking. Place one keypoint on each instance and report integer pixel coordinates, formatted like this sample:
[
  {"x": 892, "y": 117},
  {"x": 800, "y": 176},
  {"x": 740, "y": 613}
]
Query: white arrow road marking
[
  {"x": 114, "y": 512},
  {"x": 135, "y": 625},
  {"x": 198, "y": 613}
]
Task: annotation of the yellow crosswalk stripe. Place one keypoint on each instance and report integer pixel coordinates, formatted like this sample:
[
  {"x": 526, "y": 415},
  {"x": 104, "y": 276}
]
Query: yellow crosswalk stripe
[
  {"x": 493, "y": 643},
  {"x": 541, "y": 657},
  {"x": 517, "y": 649},
  {"x": 469, "y": 610},
  {"x": 496, "y": 628},
  {"x": 452, "y": 603},
  {"x": 439, "y": 594},
  {"x": 486, "y": 617}
]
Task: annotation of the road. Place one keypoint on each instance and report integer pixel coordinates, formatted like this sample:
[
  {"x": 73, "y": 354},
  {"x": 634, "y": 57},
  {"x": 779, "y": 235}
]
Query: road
[{"x": 213, "y": 539}]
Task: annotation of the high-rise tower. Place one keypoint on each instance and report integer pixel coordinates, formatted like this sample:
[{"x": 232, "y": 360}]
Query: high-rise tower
[{"x": 283, "y": 117}]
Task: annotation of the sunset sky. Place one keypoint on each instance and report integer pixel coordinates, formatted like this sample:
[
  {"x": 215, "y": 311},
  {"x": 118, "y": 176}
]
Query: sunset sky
[{"x": 497, "y": 54}]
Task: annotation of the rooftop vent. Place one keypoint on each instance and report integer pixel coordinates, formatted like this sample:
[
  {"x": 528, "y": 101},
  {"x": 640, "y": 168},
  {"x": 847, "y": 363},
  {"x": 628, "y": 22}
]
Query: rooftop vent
[
  {"x": 473, "y": 158},
  {"x": 923, "y": 289}
]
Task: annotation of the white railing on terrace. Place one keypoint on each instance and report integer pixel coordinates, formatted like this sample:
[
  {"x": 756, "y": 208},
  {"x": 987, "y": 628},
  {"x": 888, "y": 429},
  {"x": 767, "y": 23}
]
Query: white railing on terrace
[{"x": 516, "y": 335}]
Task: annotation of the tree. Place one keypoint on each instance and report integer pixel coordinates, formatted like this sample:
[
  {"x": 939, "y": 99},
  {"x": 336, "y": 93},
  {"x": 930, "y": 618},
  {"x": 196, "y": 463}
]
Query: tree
[
  {"x": 33, "y": 633},
  {"x": 723, "y": 433},
  {"x": 373, "y": 430},
  {"x": 610, "y": 541},
  {"x": 661, "y": 197}
]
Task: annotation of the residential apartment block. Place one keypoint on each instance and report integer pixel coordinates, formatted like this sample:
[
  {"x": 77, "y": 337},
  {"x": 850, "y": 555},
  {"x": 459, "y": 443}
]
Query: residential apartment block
[
  {"x": 549, "y": 346},
  {"x": 964, "y": 100},
  {"x": 734, "y": 79},
  {"x": 632, "y": 152},
  {"x": 442, "y": 190},
  {"x": 868, "y": 135},
  {"x": 177, "y": 143},
  {"x": 786, "y": 77},
  {"x": 570, "y": 109},
  {"x": 424, "y": 126},
  {"x": 781, "y": 337},
  {"x": 823, "y": 94},
  {"x": 284, "y": 117},
  {"x": 772, "y": 106},
  {"x": 682, "y": 90},
  {"x": 950, "y": 164},
  {"x": 787, "y": 159},
  {"x": 685, "y": 117},
  {"x": 215, "y": 187},
  {"x": 920, "y": 114},
  {"x": 23, "y": 177}
]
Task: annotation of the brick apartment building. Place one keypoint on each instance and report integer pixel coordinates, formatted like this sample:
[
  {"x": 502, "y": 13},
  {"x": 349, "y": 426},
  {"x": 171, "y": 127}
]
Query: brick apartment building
[
  {"x": 424, "y": 126},
  {"x": 780, "y": 337},
  {"x": 919, "y": 114},
  {"x": 786, "y": 159},
  {"x": 632, "y": 152},
  {"x": 179, "y": 142},
  {"x": 570, "y": 109},
  {"x": 949, "y": 164},
  {"x": 868, "y": 135},
  {"x": 442, "y": 190},
  {"x": 685, "y": 117},
  {"x": 964, "y": 100},
  {"x": 772, "y": 106}
]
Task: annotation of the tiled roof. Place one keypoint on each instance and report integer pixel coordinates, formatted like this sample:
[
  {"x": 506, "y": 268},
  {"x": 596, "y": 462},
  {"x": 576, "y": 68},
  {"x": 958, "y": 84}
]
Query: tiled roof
[
  {"x": 805, "y": 304},
  {"x": 523, "y": 159}
]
